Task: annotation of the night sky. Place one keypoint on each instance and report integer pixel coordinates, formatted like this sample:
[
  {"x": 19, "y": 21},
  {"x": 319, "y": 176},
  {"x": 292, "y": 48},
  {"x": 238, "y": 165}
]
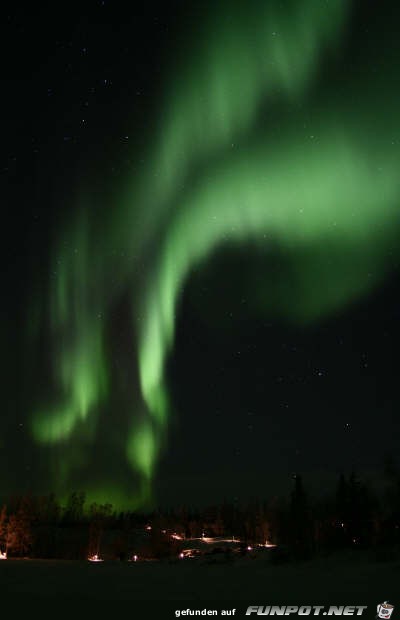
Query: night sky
[{"x": 200, "y": 221}]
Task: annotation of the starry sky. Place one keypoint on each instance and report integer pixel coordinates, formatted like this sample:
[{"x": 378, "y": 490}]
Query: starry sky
[{"x": 200, "y": 248}]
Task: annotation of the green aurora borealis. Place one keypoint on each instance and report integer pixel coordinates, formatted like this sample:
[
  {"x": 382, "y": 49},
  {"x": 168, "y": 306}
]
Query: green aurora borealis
[{"x": 243, "y": 149}]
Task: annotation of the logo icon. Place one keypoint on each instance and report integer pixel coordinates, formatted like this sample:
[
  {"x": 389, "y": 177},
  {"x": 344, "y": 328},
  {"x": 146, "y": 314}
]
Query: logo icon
[{"x": 385, "y": 610}]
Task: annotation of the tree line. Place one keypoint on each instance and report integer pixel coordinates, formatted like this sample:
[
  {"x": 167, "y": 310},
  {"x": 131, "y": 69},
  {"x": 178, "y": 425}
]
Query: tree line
[{"x": 351, "y": 516}]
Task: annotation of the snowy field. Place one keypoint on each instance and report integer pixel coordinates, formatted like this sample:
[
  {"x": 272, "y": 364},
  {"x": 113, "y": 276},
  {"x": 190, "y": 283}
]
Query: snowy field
[
  {"x": 158, "y": 589},
  {"x": 351, "y": 579}
]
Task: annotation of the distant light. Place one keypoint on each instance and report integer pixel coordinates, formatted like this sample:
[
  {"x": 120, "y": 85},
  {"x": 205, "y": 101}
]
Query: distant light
[
  {"x": 215, "y": 539},
  {"x": 3, "y": 556},
  {"x": 94, "y": 558},
  {"x": 249, "y": 548},
  {"x": 148, "y": 527},
  {"x": 188, "y": 553},
  {"x": 181, "y": 555},
  {"x": 135, "y": 558}
]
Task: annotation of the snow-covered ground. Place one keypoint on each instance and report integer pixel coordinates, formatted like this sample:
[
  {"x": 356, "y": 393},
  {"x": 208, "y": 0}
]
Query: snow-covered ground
[{"x": 347, "y": 579}]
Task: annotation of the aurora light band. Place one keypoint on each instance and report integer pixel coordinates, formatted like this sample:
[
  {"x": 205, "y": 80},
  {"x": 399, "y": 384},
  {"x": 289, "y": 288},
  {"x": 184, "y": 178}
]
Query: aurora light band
[{"x": 326, "y": 185}]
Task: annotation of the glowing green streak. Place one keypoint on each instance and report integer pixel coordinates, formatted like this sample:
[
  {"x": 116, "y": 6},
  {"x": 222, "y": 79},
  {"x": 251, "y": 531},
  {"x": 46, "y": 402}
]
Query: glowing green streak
[
  {"x": 216, "y": 174},
  {"x": 244, "y": 57},
  {"x": 327, "y": 195},
  {"x": 80, "y": 371},
  {"x": 142, "y": 449}
]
